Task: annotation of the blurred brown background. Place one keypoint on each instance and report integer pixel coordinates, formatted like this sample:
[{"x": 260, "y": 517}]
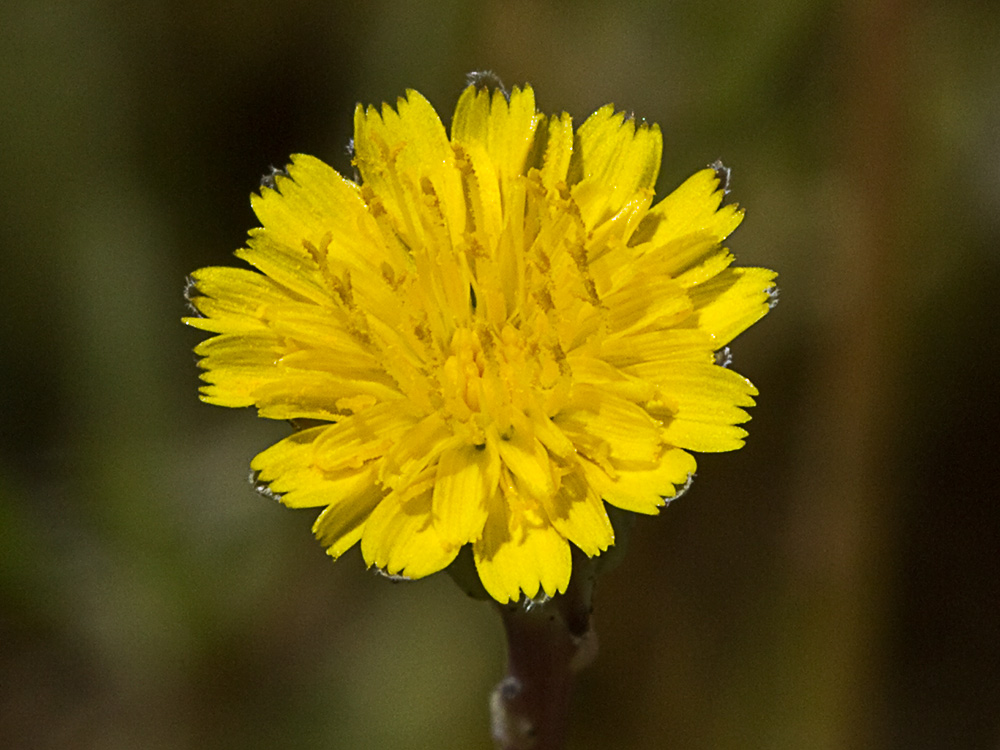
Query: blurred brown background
[{"x": 836, "y": 584}]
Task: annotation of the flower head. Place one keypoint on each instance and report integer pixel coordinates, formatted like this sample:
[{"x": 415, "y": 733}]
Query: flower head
[{"x": 491, "y": 334}]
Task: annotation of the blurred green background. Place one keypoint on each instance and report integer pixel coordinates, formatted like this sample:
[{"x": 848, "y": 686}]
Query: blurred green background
[{"x": 836, "y": 584}]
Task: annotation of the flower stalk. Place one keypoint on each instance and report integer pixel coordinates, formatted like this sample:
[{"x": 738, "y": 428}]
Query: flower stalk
[{"x": 548, "y": 642}]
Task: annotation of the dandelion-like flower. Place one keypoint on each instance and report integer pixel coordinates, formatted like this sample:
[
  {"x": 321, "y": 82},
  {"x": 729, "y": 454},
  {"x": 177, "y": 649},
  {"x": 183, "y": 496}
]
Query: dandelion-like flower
[{"x": 484, "y": 339}]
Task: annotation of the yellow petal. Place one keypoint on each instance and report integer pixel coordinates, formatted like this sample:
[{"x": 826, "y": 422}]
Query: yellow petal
[
  {"x": 692, "y": 207},
  {"x": 504, "y": 128},
  {"x": 612, "y": 160},
  {"x": 643, "y": 490},
  {"x": 312, "y": 203},
  {"x": 360, "y": 437},
  {"x": 316, "y": 394},
  {"x": 288, "y": 464},
  {"x": 396, "y": 151},
  {"x": 400, "y": 537},
  {"x": 420, "y": 128},
  {"x": 673, "y": 344},
  {"x": 520, "y": 551},
  {"x": 289, "y": 469},
  {"x": 318, "y": 339},
  {"x": 689, "y": 259},
  {"x": 613, "y": 150},
  {"x": 512, "y": 131},
  {"x": 406, "y": 138},
  {"x": 416, "y": 449},
  {"x": 701, "y": 392},
  {"x": 471, "y": 121},
  {"x": 350, "y": 494},
  {"x": 732, "y": 302},
  {"x": 609, "y": 256},
  {"x": 482, "y": 186},
  {"x": 645, "y": 302},
  {"x": 343, "y": 487},
  {"x": 292, "y": 267},
  {"x": 602, "y": 425},
  {"x": 233, "y": 300},
  {"x": 340, "y": 526},
  {"x": 236, "y": 365},
  {"x": 466, "y": 476},
  {"x": 577, "y": 513},
  {"x": 528, "y": 462},
  {"x": 703, "y": 437},
  {"x": 610, "y": 379},
  {"x": 314, "y": 223},
  {"x": 558, "y": 150},
  {"x": 554, "y": 439},
  {"x": 429, "y": 154}
]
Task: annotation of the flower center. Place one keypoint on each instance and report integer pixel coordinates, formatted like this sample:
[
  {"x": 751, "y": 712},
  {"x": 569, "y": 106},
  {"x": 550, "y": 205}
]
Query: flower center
[
  {"x": 493, "y": 380},
  {"x": 462, "y": 374}
]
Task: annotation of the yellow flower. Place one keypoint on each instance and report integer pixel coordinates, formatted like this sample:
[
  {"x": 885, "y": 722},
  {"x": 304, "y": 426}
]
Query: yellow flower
[{"x": 491, "y": 335}]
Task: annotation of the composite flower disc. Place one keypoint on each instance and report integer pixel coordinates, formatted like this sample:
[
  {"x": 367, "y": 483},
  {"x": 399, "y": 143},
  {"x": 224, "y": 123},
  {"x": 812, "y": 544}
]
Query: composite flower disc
[{"x": 491, "y": 334}]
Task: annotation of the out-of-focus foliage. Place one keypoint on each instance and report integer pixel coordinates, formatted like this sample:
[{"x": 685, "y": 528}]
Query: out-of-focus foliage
[{"x": 148, "y": 598}]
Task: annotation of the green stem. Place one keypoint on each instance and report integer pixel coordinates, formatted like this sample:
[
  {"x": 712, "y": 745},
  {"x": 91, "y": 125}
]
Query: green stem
[{"x": 547, "y": 643}]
